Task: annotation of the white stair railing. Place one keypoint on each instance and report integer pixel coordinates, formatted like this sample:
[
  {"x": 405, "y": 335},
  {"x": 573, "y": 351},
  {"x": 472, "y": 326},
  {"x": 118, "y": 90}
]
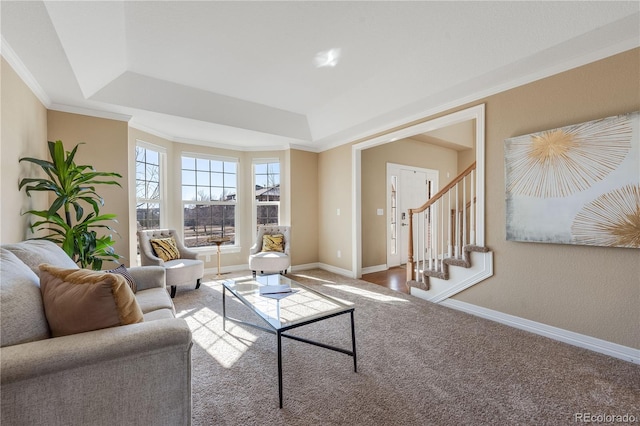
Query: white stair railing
[{"x": 442, "y": 227}]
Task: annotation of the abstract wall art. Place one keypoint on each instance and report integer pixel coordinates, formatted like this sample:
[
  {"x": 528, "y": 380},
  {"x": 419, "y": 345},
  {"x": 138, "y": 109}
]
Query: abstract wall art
[{"x": 577, "y": 184}]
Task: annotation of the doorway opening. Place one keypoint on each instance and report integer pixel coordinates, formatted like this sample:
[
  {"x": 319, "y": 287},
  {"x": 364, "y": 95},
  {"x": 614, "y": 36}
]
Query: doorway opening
[{"x": 367, "y": 216}]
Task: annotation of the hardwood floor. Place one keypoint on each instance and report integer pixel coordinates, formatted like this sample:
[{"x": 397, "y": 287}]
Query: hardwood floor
[{"x": 393, "y": 278}]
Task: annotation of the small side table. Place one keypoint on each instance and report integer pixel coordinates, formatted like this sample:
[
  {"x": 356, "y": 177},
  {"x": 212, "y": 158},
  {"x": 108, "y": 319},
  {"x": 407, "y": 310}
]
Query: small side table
[{"x": 218, "y": 241}]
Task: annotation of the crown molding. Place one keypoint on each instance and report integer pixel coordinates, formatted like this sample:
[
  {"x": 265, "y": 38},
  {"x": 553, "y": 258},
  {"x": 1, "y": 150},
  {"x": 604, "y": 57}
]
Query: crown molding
[
  {"x": 90, "y": 112},
  {"x": 23, "y": 72}
]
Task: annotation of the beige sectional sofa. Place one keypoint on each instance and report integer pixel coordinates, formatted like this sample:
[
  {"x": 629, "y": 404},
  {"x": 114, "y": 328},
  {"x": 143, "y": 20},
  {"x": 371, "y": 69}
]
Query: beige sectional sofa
[{"x": 138, "y": 373}]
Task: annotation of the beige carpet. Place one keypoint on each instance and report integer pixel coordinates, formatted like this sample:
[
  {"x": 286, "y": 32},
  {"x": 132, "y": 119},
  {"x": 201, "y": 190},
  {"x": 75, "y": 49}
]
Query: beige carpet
[{"x": 418, "y": 364}]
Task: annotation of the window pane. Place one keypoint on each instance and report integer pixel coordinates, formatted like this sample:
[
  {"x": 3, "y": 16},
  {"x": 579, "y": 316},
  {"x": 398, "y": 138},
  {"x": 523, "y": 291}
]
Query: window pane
[
  {"x": 153, "y": 157},
  {"x": 216, "y": 179},
  {"x": 261, "y": 168},
  {"x": 267, "y": 214},
  {"x": 188, "y": 177},
  {"x": 230, "y": 167},
  {"x": 202, "y": 222},
  {"x": 153, "y": 172},
  {"x": 217, "y": 166},
  {"x": 202, "y": 165},
  {"x": 188, "y": 163},
  {"x": 188, "y": 193},
  {"x": 261, "y": 181},
  {"x": 230, "y": 180},
  {"x": 148, "y": 216},
  {"x": 202, "y": 178},
  {"x": 153, "y": 191}
]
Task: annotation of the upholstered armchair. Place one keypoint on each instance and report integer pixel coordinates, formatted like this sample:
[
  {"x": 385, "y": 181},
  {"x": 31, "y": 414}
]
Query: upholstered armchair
[
  {"x": 271, "y": 254},
  {"x": 182, "y": 265}
]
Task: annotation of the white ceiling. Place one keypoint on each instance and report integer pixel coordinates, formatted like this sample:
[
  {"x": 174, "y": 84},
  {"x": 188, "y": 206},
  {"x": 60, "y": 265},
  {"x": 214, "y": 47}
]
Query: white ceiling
[{"x": 242, "y": 74}]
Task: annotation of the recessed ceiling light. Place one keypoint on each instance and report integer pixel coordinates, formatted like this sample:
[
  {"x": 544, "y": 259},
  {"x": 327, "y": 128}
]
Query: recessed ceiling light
[{"x": 328, "y": 58}]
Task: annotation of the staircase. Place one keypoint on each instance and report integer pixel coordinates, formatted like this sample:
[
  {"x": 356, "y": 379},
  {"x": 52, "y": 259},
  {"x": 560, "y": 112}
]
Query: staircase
[{"x": 442, "y": 235}]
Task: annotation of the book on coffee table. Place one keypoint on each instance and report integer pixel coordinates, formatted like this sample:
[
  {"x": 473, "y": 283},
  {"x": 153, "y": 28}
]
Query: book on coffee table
[{"x": 274, "y": 289}]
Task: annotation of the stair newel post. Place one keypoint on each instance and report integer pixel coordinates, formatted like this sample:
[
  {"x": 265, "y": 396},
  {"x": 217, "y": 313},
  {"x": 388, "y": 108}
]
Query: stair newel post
[{"x": 411, "y": 273}]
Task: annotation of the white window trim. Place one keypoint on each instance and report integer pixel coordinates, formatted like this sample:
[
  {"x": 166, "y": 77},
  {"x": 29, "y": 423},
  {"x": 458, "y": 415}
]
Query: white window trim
[
  {"x": 254, "y": 202},
  {"x": 162, "y": 160},
  {"x": 213, "y": 249}
]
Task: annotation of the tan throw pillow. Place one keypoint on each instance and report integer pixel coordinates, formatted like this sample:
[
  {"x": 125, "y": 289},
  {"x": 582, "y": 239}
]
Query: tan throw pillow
[
  {"x": 122, "y": 270},
  {"x": 273, "y": 242},
  {"x": 79, "y": 300},
  {"x": 165, "y": 248}
]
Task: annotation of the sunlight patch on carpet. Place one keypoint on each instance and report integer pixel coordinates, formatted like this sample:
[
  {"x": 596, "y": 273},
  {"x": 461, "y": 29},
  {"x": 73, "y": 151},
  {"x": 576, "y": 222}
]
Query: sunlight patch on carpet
[
  {"x": 309, "y": 277},
  {"x": 365, "y": 293},
  {"x": 225, "y": 347}
]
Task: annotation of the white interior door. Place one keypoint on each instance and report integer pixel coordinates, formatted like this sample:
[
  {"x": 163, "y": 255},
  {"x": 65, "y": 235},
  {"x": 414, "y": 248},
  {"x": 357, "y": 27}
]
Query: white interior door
[{"x": 408, "y": 187}]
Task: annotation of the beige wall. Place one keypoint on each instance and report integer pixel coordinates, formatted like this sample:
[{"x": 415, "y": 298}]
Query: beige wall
[
  {"x": 334, "y": 191},
  {"x": 407, "y": 152},
  {"x": 23, "y": 134},
  {"x": 104, "y": 148},
  {"x": 304, "y": 207},
  {"x": 590, "y": 290}
]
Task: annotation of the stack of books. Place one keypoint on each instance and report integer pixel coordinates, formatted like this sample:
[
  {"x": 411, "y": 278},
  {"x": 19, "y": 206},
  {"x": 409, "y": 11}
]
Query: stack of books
[{"x": 274, "y": 289}]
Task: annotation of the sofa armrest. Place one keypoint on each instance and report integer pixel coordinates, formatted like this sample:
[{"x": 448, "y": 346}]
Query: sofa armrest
[
  {"x": 148, "y": 276},
  {"x": 42, "y": 357},
  {"x": 134, "y": 373}
]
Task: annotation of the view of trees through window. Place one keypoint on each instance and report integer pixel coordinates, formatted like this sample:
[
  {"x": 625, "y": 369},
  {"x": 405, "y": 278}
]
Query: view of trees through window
[
  {"x": 267, "y": 192},
  {"x": 148, "y": 194},
  {"x": 209, "y": 198}
]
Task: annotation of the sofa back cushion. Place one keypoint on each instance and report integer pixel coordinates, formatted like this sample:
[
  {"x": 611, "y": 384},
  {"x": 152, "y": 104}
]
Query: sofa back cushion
[
  {"x": 22, "y": 317},
  {"x": 36, "y": 252}
]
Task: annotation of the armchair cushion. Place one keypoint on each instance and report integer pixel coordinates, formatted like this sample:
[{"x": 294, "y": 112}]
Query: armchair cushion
[
  {"x": 79, "y": 300},
  {"x": 274, "y": 242},
  {"x": 165, "y": 248}
]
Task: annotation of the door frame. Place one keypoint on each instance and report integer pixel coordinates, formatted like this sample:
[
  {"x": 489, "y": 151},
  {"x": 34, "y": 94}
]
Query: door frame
[
  {"x": 476, "y": 113},
  {"x": 432, "y": 175}
]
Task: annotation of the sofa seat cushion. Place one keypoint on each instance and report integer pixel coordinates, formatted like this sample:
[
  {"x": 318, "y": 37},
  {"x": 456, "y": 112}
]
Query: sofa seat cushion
[
  {"x": 79, "y": 300},
  {"x": 269, "y": 261},
  {"x": 184, "y": 271},
  {"x": 154, "y": 299},
  {"x": 22, "y": 317},
  {"x": 35, "y": 252}
]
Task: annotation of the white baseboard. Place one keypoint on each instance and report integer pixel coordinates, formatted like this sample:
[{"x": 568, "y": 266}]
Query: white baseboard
[
  {"x": 576, "y": 339},
  {"x": 376, "y": 268},
  {"x": 336, "y": 270},
  {"x": 227, "y": 269},
  {"x": 305, "y": 267}
]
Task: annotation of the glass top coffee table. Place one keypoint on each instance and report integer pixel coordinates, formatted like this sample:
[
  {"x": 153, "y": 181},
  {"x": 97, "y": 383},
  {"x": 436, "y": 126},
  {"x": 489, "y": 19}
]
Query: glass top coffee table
[{"x": 282, "y": 312}]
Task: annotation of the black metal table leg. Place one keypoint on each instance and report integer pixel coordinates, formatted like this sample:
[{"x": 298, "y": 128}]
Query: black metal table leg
[
  {"x": 353, "y": 342},
  {"x": 280, "y": 367},
  {"x": 224, "y": 309}
]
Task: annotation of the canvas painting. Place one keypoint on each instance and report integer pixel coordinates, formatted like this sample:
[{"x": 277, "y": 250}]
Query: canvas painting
[{"x": 577, "y": 184}]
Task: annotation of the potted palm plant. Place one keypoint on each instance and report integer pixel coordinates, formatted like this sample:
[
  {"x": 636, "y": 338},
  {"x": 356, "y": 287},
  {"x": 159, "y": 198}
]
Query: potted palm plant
[{"x": 74, "y": 187}]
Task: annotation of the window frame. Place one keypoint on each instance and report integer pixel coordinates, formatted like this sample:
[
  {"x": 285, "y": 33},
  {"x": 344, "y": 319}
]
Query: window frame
[
  {"x": 212, "y": 248},
  {"x": 254, "y": 202},
  {"x": 162, "y": 186}
]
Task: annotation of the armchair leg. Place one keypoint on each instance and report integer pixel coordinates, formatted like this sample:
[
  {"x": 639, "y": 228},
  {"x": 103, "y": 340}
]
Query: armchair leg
[
  {"x": 173, "y": 291},
  {"x": 198, "y": 284},
  {"x": 254, "y": 274}
]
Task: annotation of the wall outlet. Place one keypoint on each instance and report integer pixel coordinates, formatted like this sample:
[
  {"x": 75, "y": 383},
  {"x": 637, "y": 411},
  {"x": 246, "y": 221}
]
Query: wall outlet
[
  {"x": 338, "y": 212},
  {"x": 208, "y": 258},
  {"x": 339, "y": 254}
]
